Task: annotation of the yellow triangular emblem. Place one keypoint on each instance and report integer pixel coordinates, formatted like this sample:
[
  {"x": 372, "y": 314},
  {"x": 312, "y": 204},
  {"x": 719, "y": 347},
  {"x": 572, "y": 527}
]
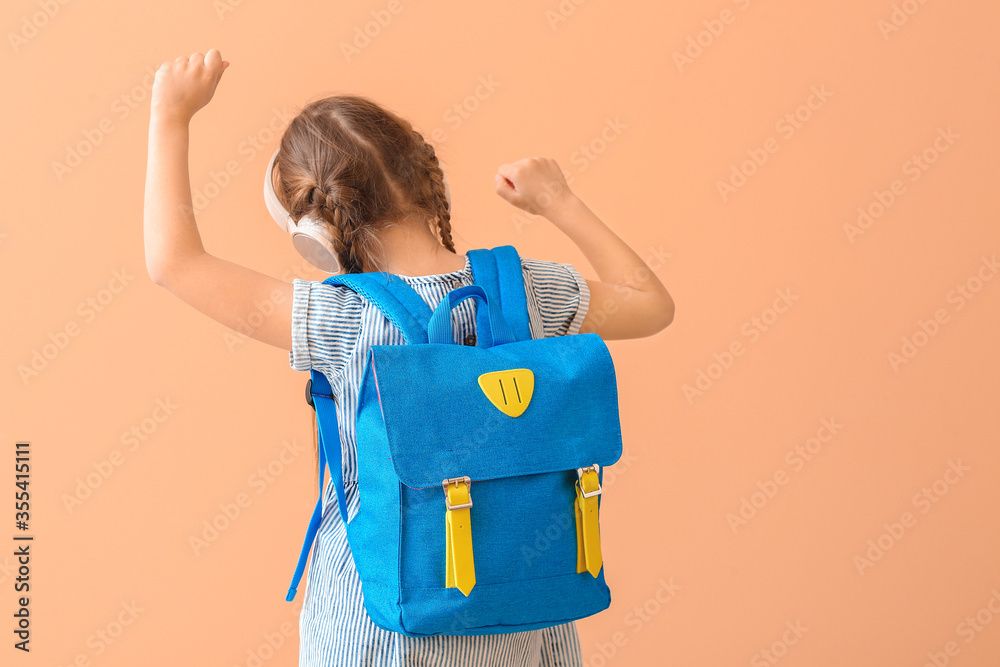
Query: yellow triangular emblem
[{"x": 510, "y": 391}]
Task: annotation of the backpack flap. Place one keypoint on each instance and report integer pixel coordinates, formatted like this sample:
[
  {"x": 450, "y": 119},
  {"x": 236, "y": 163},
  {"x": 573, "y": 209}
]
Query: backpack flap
[{"x": 522, "y": 408}]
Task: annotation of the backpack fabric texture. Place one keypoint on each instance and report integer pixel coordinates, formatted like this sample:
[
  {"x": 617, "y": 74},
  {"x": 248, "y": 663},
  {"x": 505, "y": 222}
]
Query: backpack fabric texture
[{"x": 478, "y": 467}]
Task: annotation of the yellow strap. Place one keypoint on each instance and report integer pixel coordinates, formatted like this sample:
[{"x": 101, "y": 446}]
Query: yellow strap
[
  {"x": 588, "y": 537},
  {"x": 460, "y": 569},
  {"x": 581, "y": 559}
]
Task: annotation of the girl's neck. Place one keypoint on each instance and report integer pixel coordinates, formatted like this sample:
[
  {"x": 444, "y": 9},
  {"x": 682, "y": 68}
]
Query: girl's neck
[{"x": 413, "y": 250}]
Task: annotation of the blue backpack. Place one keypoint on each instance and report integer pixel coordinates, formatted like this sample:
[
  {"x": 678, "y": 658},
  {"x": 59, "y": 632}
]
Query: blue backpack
[{"x": 479, "y": 467}]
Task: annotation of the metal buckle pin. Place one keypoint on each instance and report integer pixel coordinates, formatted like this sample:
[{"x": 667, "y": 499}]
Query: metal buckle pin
[
  {"x": 579, "y": 474},
  {"x": 456, "y": 480}
]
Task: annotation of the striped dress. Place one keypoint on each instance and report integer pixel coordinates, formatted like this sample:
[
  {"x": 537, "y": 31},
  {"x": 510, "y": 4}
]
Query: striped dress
[{"x": 332, "y": 329}]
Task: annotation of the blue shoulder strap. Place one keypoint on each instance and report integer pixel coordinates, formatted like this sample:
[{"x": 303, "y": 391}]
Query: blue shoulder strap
[
  {"x": 398, "y": 301},
  {"x": 321, "y": 396},
  {"x": 405, "y": 309},
  {"x": 498, "y": 272}
]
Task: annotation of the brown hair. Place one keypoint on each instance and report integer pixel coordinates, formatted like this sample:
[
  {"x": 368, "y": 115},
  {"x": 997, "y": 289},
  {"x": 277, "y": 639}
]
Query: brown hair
[{"x": 346, "y": 160}]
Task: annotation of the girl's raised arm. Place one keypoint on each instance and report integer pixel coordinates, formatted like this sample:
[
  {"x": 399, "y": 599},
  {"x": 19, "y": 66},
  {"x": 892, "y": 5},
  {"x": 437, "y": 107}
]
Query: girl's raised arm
[
  {"x": 175, "y": 258},
  {"x": 628, "y": 301}
]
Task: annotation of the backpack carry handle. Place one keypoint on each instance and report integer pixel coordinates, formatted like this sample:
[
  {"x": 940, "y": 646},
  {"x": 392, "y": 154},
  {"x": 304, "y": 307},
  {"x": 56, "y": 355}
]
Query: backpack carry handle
[{"x": 439, "y": 328}]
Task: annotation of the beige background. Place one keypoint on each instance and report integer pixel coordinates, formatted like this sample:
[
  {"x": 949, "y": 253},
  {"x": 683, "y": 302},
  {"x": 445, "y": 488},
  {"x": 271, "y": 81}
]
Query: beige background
[{"x": 645, "y": 137}]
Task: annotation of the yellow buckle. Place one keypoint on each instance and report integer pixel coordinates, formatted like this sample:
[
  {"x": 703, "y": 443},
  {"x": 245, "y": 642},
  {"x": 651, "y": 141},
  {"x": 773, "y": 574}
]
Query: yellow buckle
[
  {"x": 455, "y": 481},
  {"x": 579, "y": 474},
  {"x": 460, "y": 568},
  {"x": 588, "y": 530}
]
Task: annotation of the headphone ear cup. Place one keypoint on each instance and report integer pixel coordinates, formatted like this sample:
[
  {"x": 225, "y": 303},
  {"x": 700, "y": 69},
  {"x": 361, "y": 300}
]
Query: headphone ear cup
[
  {"x": 312, "y": 240},
  {"x": 309, "y": 236}
]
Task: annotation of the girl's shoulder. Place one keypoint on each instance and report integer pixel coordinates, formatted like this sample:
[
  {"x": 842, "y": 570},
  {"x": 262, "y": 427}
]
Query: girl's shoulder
[
  {"x": 329, "y": 320},
  {"x": 558, "y": 296},
  {"x": 542, "y": 273},
  {"x": 557, "y": 291}
]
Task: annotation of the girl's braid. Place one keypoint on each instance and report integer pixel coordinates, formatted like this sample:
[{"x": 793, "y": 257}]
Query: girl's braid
[
  {"x": 336, "y": 204},
  {"x": 426, "y": 162}
]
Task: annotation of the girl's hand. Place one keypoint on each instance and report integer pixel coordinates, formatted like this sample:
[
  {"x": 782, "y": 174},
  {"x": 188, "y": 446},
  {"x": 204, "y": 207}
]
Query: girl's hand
[
  {"x": 184, "y": 85},
  {"x": 534, "y": 184}
]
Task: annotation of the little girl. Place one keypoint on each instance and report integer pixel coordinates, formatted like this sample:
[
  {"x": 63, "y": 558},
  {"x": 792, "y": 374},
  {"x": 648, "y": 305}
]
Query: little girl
[{"x": 378, "y": 196}]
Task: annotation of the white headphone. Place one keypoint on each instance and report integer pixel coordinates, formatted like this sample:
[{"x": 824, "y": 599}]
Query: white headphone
[{"x": 310, "y": 236}]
